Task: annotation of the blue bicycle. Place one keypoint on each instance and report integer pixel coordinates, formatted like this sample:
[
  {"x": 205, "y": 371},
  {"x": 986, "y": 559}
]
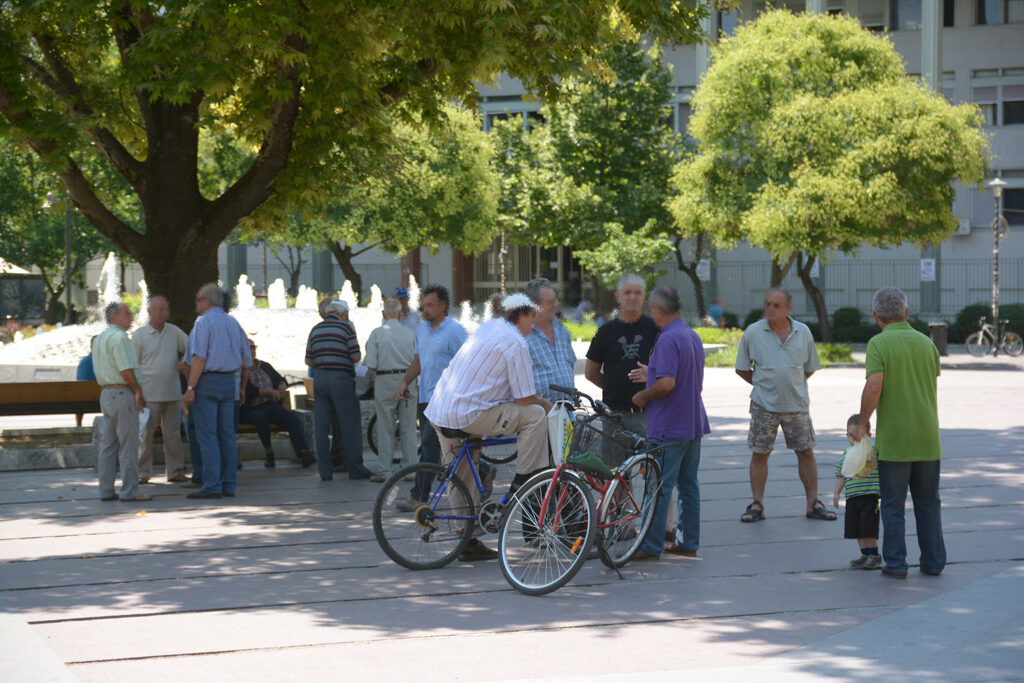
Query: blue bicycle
[{"x": 439, "y": 529}]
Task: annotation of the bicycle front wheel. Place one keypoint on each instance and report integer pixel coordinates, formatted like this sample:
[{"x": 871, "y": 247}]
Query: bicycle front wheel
[
  {"x": 371, "y": 434},
  {"x": 432, "y": 534},
  {"x": 1012, "y": 344},
  {"x": 978, "y": 345},
  {"x": 539, "y": 555},
  {"x": 627, "y": 509}
]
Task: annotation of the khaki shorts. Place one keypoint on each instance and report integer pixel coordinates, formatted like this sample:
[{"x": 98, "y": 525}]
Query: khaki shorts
[{"x": 764, "y": 427}]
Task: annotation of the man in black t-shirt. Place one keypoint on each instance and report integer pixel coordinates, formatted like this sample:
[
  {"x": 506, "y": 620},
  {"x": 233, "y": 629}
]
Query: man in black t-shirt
[{"x": 618, "y": 347}]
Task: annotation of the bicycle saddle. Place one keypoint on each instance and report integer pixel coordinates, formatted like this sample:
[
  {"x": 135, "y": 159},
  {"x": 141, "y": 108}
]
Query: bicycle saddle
[
  {"x": 591, "y": 464},
  {"x": 453, "y": 433}
]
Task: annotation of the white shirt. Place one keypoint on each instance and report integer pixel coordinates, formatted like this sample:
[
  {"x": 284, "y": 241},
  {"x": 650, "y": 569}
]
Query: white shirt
[
  {"x": 159, "y": 352},
  {"x": 492, "y": 367},
  {"x": 391, "y": 346}
]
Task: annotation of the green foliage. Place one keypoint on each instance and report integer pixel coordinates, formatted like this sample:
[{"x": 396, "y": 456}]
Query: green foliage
[
  {"x": 134, "y": 302},
  {"x": 730, "y": 319},
  {"x": 723, "y": 358},
  {"x": 717, "y": 335},
  {"x": 811, "y": 137},
  {"x": 830, "y": 354},
  {"x": 581, "y": 331},
  {"x": 966, "y": 322},
  {"x": 622, "y": 253},
  {"x": 848, "y": 326},
  {"x": 753, "y": 316}
]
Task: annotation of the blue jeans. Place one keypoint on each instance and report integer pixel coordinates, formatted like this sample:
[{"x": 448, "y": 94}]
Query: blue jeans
[
  {"x": 194, "y": 451},
  {"x": 334, "y": 394},
  {"x": 922, "y": 478},
  {"x": 678, "y": 470},
  {"x": 430, "y": 451},
  {"x": 215, "y": 428}
]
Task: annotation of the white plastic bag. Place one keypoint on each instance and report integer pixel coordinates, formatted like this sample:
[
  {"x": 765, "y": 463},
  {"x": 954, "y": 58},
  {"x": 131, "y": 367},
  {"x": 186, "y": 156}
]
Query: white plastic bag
[
  {"x": 143, "y": 421},
  {"x": 559, "y": 432},
  {"x": 860, "y": 459}
]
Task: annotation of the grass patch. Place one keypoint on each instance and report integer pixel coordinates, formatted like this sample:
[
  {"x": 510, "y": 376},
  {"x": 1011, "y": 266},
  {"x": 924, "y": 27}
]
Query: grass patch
[
  {"x": 830, "y": 354},
  {"x": 581, "y": 331}
]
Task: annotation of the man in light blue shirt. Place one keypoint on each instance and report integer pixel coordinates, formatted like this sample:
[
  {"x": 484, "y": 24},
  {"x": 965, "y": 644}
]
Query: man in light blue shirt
[
  {"x": 438, "y": 338},
  {"x": 550, "y": 343}
]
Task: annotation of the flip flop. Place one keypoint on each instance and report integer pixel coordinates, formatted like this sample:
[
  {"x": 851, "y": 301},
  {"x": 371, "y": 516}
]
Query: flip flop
[
  {"x": 754, "y": 514},
  {"x": 819, "y": 511}
]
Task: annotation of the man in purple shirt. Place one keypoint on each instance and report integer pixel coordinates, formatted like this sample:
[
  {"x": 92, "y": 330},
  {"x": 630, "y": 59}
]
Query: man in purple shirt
[{"x": 675, "y": 419}]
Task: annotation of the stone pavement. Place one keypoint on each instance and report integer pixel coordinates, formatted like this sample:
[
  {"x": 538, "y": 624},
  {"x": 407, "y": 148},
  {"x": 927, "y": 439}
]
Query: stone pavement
[{"x": 286, "y": 581}]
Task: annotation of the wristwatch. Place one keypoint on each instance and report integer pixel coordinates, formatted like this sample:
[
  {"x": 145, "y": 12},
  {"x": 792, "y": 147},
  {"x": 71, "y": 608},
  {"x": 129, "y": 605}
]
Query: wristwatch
[{"x": 190, "y": 388}]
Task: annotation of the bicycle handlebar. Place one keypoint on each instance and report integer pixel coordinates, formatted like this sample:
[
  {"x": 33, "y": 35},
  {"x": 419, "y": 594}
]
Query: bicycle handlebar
[{"x": 575, "y": 395}]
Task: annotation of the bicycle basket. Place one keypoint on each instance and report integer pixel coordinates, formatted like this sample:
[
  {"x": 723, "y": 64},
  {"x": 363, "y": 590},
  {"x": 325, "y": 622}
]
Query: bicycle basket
[{"x": 599, "y": 437}]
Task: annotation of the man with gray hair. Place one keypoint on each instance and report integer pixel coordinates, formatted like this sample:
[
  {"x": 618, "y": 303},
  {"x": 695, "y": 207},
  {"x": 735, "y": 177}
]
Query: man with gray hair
[
  {"x": 389, "y": 353},
  {"x": 549, "y": 342},
  {"x": 620, "y": 347},
  {"x": 121, "y": 401},
  {"x": 902, "y": 368},
  {"x": 776, "y": 356},
  {"x": 160, "y": 346}
]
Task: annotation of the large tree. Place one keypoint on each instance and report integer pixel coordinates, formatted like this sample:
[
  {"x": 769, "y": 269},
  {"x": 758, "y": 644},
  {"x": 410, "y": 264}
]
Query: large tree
[
  {"x": 305, "y": 86},
  {"x": 813, "y": 140}
]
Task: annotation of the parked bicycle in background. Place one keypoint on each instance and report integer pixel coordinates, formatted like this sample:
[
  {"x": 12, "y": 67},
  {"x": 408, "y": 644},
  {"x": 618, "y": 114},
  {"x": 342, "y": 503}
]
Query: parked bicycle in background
[{"x": 983, "y": 342}]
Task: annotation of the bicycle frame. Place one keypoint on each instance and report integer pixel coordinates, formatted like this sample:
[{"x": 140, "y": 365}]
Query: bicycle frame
[{"x": 466, "y": 453}]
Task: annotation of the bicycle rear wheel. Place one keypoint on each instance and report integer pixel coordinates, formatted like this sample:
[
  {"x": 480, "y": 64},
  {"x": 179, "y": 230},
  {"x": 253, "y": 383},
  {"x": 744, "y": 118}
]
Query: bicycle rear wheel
[
  {"x": 371, "y": 434},
  {"x": 627, "y": 509},
  {"x": 536, "y": 555},
  {"x": 1012, "y": 344},
  {"x": 499, "y": 454},
  {"x": 433, "y": 534},
  {"x": 978, "y": 345}
]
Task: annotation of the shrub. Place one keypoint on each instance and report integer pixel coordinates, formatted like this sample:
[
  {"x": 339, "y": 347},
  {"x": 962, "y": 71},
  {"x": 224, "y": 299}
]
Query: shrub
[
  {"x": 966, "y": 322},
  {"x": 583, "y": 331},
  {"x": 715, "y": 335},
  {"x": 730, "y": 319},
  {"x": 752, "y": 317},
  {"x": 723, "y": 358},
  {"x": 920, "y": 325},
  {"x": 830, "y": 354}
]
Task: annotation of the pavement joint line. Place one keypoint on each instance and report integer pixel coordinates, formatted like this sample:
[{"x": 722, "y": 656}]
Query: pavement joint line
[
  {"x": 492, "y": 591},
  {"x": 478, "y": 634}
]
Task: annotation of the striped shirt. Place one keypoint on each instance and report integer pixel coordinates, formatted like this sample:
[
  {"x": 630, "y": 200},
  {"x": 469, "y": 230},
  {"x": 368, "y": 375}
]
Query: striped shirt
[
  {"x": 217, "y": 338},
  {"x": 492, "y": 367},
  {"x": 332, "y": 345},
  {"x": 552, "y": 363},
  {"x": 858, "y": 487},
  {"x": 112, "y": 352}
]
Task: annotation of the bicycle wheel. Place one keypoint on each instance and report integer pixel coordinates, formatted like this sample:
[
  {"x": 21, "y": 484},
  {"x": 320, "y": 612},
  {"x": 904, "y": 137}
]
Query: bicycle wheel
[
  {"x": 435, "y": 533},
  {"x": 499, "y": 454},
  {"x": 371, "y": 434},
  {"x": 978, "y": 345},
  {"x": 1012, "y": 344},
  {"x": 627, "y": 509},
  {"x": 536, "y": 555}
]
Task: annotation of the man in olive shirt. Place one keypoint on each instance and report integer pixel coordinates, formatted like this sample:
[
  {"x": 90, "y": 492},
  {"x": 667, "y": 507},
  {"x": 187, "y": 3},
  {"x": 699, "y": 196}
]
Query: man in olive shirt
[
  {"x": 902, "y": 366},
  {"x": 121, "y": 401}
]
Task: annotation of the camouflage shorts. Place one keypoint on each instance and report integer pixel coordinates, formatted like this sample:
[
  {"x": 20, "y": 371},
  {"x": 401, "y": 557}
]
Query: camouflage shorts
[{"x": 764, "y": 427}]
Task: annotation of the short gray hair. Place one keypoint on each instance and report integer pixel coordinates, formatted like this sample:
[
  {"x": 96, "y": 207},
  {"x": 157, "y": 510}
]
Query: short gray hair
[
  {"x": 212, "y": 293},
  {"x": 392, "y": 307},
  {"x": 890, "y": 305},
  {"x": 111, "y": 310},
  {"x": 666, "y": 298},
  {"x": 157, "y": 297},
  {"x": 630, "y": 279},
  {"x": 534, "y": 286},
  {"x": 784, "y": 292}
]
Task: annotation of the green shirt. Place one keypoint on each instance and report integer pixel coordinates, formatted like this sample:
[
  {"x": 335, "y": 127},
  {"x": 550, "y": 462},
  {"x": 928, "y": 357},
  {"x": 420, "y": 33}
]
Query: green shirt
[
  {"x": 854, "y": 487},
  {"x": 908, "y": 418},
  {"x": 112, "y": 352}
]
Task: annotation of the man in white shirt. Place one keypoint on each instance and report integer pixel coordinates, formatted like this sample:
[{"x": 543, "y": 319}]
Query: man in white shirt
[
  {"x": 160, "y": 346},
  {"x": 389, "y": 353},
  {"x": 488, "y": 389}
]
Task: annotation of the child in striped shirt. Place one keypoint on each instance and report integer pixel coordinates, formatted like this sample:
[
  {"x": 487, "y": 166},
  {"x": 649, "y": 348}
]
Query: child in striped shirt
[{"x": 862, "y": 495}]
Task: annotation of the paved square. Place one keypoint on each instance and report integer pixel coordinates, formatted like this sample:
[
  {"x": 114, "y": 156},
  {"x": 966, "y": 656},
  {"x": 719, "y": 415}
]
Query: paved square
[{"x": 286, "y": 582}]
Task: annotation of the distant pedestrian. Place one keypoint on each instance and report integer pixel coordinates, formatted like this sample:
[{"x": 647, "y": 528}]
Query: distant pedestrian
[
  {"x": 409, "y": 317},
  {"x": 902, "y": 368},
  {"x": 494, "y": 303},
  {"x": 84, "y": 372},
  {"x": 676, "y": 420},
  {"x": 160, "y": 346},
  {"x": 217, "y": 352},
  {"x": 550, "y": 343},
  {"x": 337, "y": 457},
  {"x": 716, "y": 314},
  {"x": 332, "y": 351},
  {"x": 861, "y": 506},
  {"x": 776, "y": 356},
  {"x": 620, "y": 347},
  {"x": 390, "y": 350},
  {"x": 121, "y": 401}
]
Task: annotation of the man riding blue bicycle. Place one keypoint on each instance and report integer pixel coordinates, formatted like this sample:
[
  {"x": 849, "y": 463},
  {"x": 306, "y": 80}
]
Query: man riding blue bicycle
[{"x": 488, "y": 389}]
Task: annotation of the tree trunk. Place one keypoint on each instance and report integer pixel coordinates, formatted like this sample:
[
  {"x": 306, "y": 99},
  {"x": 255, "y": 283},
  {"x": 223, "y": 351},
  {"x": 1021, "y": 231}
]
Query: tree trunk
[
  {"x": 803, "y": 269},
  {"x": 343, "y": 255},
  {"x": 691, "y": 271},
  {"x": 779, "y": 271},
  {"x": 165, "y": 276}
]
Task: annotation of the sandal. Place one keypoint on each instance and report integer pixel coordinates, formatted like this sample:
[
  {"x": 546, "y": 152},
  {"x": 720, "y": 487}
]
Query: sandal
[
  {"x": 753, "y": 514},
  {"x": 819, "y": 511}
]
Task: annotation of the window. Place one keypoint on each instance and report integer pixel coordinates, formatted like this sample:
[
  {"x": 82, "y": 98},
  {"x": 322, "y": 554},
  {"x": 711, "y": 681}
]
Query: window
[
  {"x": 986, "y": 99},
  {"x": 1013, "y": 105},
  {"x": 906, "y": 15},
  {"x": 998, "y": 11},
  {"x": 727, "y": 23},
  {"x": 684, "y": 118},
  {"x": 949, "y": 13},
  {"x": 1013, "y": 206},
  {"x": 872, "y": 14},
  {"x": 1000, "y": 94},
  {"x": 533, "y": 118}
]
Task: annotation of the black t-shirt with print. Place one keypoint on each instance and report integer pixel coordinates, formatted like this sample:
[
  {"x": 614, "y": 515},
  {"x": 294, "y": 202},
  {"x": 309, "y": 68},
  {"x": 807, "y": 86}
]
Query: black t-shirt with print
[{"x": 619, "y": 346}]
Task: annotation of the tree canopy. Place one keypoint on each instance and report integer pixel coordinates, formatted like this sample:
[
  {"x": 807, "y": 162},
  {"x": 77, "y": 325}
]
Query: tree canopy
[
  {"x": 307, "y": 89},
  {"x": 812, "y": 139}
]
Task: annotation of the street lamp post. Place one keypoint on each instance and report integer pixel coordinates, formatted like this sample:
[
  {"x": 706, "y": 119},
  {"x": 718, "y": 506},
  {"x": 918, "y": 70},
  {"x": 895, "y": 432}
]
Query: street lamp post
[{"x": 997, "y": 186}]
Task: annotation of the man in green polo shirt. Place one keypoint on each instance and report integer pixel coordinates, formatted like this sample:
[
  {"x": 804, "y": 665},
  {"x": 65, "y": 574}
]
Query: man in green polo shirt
[
  {"x": 902, "y": 367},
  {"x": 114, "y": 360}
]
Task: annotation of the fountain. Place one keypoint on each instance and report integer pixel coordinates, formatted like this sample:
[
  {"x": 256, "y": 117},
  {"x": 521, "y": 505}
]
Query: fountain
[
  {"x": 349, "y": 296},
  {"x": 243, "y": 290},
  {"x": 414, "y": 293},
  {"x": 142, "y": 319},
  {"x": 306, "y": 299},
  {"x": 276, "y": 295},
  {"x": 466, "y": 313},
  {"x": 109, "y": 284},
  {"x": 376, "y": 299}
]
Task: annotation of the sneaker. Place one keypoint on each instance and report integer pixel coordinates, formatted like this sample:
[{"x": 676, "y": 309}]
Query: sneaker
[
  {"x": 859, "y": 562},
  {"x": 192, "y": 485},
  {"x": 270, "y": 463},
  {"x": 873, "y": 562},
  {"x": 107, "y": 499},
  {"x": 408, "y": 505},
  {"x": 203, "y": 495},
  {"x": 376, "y": 478}
]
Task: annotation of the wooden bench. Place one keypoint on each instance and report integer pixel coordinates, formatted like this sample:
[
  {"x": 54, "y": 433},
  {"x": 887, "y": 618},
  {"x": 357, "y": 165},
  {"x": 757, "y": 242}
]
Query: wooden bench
[{"x": 50, "y": 398}]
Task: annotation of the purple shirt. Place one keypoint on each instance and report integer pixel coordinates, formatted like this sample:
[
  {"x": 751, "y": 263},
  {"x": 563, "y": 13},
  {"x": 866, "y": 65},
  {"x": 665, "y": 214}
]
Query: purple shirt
[{"x": 679, "y": 416}]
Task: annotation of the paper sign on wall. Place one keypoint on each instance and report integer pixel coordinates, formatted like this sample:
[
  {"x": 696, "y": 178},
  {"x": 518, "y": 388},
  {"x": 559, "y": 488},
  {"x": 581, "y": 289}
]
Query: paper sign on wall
[
  {"x": 927, "y": 270},
  {"x": 704, "y": 270}
]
